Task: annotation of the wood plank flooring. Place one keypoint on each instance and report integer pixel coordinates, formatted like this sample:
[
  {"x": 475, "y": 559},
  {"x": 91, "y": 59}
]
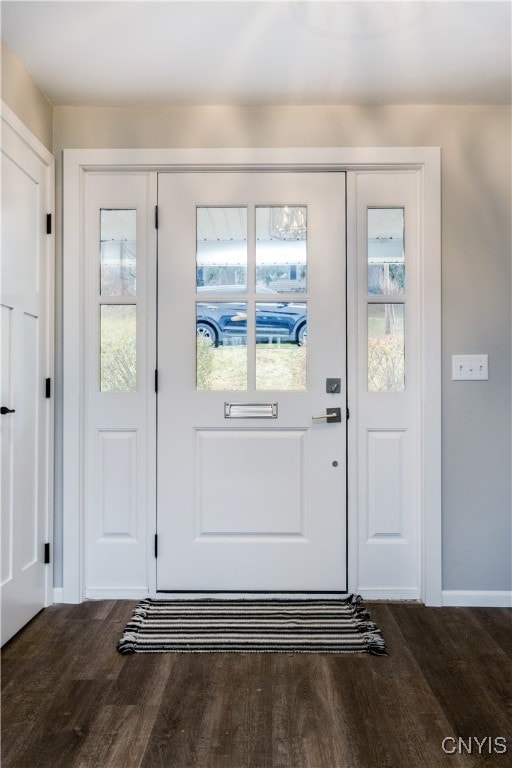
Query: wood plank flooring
[{"x": 69, "y": 700}]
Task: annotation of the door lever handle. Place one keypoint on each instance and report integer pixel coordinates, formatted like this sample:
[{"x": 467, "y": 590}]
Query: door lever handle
[
  {"x": 4, "y": 410},
  {"x": 331, "y": 416}
]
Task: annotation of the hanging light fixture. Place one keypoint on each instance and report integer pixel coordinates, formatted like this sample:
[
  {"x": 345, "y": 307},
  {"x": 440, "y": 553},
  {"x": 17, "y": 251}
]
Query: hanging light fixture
[{"x": 288, "y": 222}]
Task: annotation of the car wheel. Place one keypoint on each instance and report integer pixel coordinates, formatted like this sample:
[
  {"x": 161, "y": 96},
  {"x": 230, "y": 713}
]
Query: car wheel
[
  {"x": 302, "y": 335},
  {"x": 207, "y": 332}
]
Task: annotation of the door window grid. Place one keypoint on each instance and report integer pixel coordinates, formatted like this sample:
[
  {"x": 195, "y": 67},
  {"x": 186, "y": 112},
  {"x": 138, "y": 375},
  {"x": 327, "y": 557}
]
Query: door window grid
[
  {"x": 118, "y": 256},
  {"x": 117, "y": 292},
  {"x": 245, "y": 341},
  {"x": 386, "y": 299},
  {"x": 221, "y": 249},
  {"x": 281, "y": 248}
]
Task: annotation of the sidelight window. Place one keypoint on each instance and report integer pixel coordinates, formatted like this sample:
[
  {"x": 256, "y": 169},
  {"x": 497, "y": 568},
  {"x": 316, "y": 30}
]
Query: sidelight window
[
  {"x": 117, "y": 300},
  {"x": 386, "y": 299}
]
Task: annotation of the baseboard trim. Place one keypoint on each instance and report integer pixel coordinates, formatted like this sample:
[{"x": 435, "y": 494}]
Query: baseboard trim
[
  {"x": 449, "y": 597},
  {"x": 58, "y": 594},
  {"x": 473, "y": 598},
  {"x": 114, "y": 593},
  {"x": 378, "y": 593}
]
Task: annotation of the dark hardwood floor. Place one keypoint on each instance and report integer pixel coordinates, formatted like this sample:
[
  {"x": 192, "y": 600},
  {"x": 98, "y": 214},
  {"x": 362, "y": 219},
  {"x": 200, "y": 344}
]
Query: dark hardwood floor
[{"x": 70, "y": 700}]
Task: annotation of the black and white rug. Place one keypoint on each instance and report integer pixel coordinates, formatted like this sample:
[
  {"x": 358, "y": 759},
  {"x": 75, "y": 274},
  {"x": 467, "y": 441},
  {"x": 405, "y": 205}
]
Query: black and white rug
[{"x": 257, "y": 626}]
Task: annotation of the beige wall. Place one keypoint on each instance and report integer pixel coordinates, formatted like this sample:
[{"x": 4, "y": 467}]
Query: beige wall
[
  {"x": 21, "y": 94},
  {"x": 476, "y": 283}
]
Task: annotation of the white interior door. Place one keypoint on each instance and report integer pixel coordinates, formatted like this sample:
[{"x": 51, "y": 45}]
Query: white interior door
[
  {"x": 251, "y": 478},
  {"x": 24, "y": 356}
]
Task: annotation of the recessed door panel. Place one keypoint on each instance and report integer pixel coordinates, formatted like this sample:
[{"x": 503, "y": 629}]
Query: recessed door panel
[{"x": 257, "y": 500}]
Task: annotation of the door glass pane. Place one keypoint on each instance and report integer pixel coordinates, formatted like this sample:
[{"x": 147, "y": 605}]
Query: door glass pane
[
  {"x": 386, "y": 268},
  {"x": 118, "y": 246},
  {"x": 386, "y": 348},
  {"x": 281, "y": 333},
  {"x": 221, "y": 359},
  {"x": 118, "y": 348},
  {"x": 221, "y": 249},
  {"x": 281, "y": 248}
]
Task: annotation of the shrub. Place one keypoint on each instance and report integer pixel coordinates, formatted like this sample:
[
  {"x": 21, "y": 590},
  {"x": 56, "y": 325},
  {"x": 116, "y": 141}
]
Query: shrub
[{"x": 386, "y": 363}]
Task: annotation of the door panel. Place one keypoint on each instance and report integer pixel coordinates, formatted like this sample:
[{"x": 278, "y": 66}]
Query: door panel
[
  {"x": 388, "y": 382},
  {"x": 251, "y": 456},
  {"x": 25, "y": 430},
  {"x": 119, "y": 269},
  {"x": 251, "y": 488}
]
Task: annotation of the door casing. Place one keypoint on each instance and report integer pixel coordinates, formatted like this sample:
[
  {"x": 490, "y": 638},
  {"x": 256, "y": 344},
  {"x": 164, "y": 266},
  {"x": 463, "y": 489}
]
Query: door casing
[{"x": 425, "y": 160}]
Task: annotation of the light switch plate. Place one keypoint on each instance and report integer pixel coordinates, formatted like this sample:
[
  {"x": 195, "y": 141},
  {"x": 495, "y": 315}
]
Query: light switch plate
[{"x": 470, "y": 367}]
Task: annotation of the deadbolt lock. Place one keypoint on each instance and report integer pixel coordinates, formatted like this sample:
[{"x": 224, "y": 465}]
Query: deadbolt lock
[{"x": 333, "y": 386}]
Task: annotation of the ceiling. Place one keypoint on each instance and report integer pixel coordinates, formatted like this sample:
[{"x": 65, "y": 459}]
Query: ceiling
[{"x": 242, "y": 52}]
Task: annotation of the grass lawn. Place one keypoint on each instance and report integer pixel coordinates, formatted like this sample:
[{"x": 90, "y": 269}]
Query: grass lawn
[{"x": 278, "y": 366}]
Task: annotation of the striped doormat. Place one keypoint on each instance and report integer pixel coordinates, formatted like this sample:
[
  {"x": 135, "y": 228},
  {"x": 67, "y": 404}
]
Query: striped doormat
[{"x": 258, "y": 626}]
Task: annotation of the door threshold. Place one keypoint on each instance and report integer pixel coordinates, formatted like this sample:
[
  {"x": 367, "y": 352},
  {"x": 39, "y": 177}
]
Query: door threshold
[{"x": 184, "y": 594}]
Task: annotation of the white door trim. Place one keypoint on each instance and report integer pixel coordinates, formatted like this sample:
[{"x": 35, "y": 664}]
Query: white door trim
[
  {"x": 13, "y": 122},
  {"x": 425, "y": 159}
]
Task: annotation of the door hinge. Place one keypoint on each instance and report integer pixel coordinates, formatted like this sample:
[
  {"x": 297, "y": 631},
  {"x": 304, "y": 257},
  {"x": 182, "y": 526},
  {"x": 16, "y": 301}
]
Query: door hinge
[
  {"x": 156, "y": 216},
  {"x": 156, "y": 545},
  {"x": 156, "y": 379},
  {"x": 347, "y": 414},
  {"x": 48, "y": 388},
  {"x": 47, "y": 553},
  {"x": 48, "y": 223}
]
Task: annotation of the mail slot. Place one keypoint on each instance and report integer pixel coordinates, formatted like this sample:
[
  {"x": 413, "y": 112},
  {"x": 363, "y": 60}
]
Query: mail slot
[{"x": 250, "y": 410}]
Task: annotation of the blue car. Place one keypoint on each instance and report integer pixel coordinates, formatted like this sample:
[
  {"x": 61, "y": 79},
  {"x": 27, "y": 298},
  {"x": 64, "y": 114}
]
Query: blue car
[{"x": 221, "y": 321}]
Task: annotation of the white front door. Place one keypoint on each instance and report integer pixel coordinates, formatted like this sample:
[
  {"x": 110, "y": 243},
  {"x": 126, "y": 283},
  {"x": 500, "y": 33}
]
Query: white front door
[
  {"x": 24, "y": 358},
  {"x": 251, "y": 473}
]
